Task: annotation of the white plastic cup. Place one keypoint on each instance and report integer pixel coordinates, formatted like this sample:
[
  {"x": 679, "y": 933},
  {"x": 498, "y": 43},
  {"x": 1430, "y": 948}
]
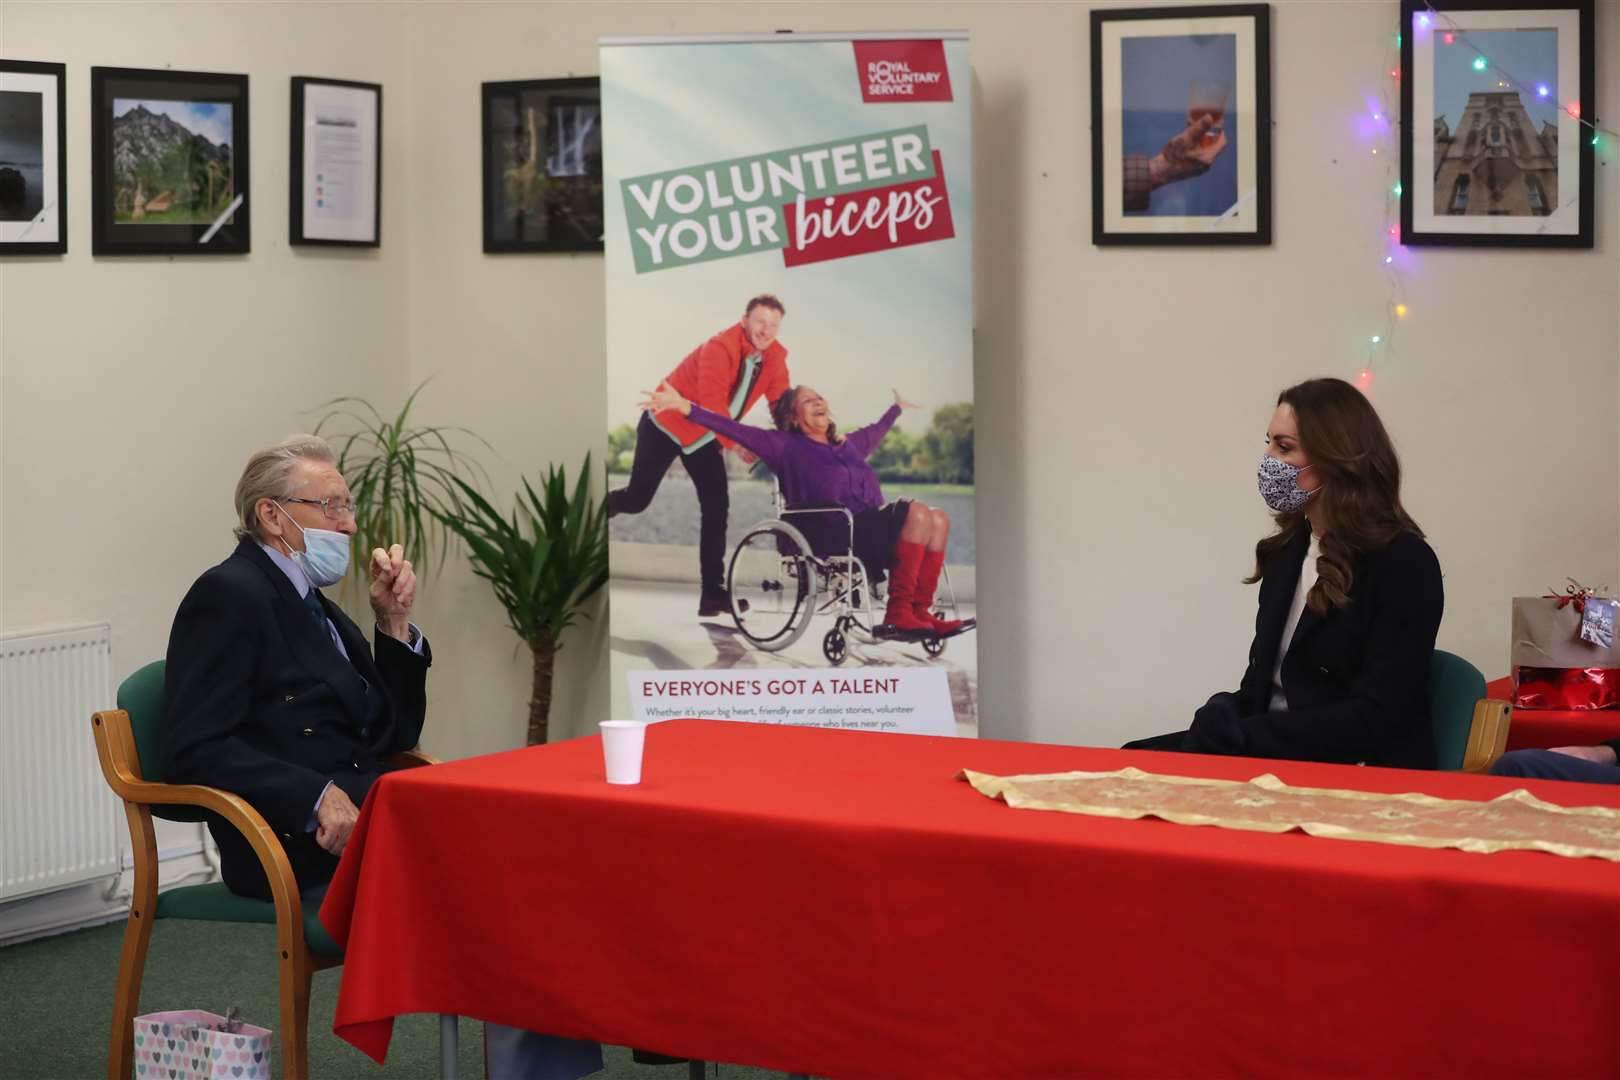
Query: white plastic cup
[{"x": 622, "y": 743}]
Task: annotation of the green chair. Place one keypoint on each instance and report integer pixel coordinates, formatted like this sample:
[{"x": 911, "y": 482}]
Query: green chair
[
  {"x": 130, "y": 744},
  {"x": 1470, "y": 730}
]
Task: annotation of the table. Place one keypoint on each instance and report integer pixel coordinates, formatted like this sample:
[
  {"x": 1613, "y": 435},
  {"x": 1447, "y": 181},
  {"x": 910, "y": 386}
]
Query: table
[
  {"x": 837, "y": 903},
  {"x": 1543, "y": 729}
]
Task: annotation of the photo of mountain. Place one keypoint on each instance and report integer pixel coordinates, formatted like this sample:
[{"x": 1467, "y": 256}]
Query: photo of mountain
[{"x": 171, "y": 162}]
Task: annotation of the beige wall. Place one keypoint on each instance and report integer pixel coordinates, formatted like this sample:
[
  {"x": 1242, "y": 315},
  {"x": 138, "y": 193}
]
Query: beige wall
[
  {"x": 1122, "y": 394},
  {"x": 134, "y": 388}
]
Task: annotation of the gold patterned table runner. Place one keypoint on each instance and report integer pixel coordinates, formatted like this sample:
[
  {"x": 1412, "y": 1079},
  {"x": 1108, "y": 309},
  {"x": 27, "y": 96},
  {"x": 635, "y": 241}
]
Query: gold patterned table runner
[{"x": 1517, "y": 821}]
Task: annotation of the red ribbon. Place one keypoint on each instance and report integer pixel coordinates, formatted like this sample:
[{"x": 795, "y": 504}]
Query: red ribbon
[{"x": 1577, "y": 594}]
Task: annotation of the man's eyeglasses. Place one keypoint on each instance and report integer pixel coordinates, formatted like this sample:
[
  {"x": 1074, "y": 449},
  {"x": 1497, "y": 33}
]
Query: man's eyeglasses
[{"x": 332, "y": 508}]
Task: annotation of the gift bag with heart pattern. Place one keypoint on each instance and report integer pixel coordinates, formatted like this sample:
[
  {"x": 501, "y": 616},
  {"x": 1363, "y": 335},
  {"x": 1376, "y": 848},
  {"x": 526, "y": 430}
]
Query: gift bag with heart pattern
[{"x": 191, "y": 1044}]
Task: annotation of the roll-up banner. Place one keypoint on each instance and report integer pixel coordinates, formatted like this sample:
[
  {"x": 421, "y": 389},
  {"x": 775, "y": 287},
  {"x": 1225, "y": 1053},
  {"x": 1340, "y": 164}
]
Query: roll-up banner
[{"x": 790, "y": 379}]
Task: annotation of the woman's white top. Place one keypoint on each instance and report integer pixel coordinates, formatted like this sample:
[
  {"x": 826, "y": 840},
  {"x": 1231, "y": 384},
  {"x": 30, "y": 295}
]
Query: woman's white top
[{"x": 1307, "y": 578}]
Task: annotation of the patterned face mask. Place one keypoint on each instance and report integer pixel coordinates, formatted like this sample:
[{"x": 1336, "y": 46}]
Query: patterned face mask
[{"x": 1279, "y": 485}]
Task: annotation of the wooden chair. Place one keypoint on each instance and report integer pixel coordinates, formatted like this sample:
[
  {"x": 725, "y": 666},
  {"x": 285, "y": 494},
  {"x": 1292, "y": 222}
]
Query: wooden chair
[
  {"x": 1470, "y": 730},
  {"x": 126, "y": 738}
]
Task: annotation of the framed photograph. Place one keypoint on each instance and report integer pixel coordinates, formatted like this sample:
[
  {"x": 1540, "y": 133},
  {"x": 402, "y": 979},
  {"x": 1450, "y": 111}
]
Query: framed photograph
[
  {"x": 336, "y": 168},
  {"x": 543, "y": 165},
  {"x": 1493, "y": 151},
  {"x": 33, "y": 158},
  {"x": 1181, "y": 125},
  {"x": 169, "y": 163}
]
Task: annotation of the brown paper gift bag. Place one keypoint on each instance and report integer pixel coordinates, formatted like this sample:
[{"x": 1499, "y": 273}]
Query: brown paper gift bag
[{"x": 1552, "y": 667}]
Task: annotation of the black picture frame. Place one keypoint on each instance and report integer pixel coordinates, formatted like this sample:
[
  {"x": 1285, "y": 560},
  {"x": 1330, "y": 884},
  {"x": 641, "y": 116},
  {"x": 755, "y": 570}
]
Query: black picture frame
[
  {"x": 1108, "y": 199},
  {"x": 18, "y": 220},
  {"x": 563, "y": 212},
  {"x": 189, "y": 168},
  {"x": 297, "y": 232},
  {"x": 1510, "y": 169}
]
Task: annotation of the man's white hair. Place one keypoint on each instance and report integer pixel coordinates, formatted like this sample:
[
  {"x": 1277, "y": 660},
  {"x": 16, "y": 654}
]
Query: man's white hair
[{"x": 269, "y": 475}]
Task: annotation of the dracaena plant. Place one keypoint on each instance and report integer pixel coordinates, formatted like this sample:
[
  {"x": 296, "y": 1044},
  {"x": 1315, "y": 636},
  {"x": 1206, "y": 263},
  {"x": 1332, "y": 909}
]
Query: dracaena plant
[
  {"x": 402, "y": 476},
  {"x": 544, "y": 560}
]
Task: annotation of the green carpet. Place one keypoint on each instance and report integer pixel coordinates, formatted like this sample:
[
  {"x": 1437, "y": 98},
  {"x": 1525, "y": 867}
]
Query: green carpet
[{"x": 56, "y": 999}]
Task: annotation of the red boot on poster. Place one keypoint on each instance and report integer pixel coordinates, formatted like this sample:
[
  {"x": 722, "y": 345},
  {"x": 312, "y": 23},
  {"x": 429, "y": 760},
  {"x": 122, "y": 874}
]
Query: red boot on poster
[
  {"x": 927, "y": 582},
  {"x": 900, "y": 620}
]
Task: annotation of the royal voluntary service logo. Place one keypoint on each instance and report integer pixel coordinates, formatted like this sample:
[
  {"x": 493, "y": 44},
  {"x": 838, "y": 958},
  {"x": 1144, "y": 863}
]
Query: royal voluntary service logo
[{"x": 902, "y": 71}]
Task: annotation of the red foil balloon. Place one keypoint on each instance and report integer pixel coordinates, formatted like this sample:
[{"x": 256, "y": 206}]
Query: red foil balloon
[{"x": 1569, "y": 689}]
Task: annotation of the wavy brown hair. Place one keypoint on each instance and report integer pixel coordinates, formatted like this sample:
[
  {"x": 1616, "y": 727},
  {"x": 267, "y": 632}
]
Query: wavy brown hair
[{"x": 1360, "y": 496}]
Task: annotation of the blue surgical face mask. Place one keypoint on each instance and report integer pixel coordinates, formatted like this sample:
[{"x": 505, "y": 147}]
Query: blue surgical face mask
[
  {"x": 1279, "y": 485},
  {"x": 325, "y": 558}
]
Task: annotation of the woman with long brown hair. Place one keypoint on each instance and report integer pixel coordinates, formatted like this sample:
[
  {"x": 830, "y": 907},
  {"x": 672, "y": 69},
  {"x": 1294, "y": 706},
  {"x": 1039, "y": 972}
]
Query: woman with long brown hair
[{"x": 1350, "y": 600}]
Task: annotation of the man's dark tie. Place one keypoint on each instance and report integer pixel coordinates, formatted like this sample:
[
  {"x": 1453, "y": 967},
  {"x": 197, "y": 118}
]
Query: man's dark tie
[{"x": 313, "y": 602}]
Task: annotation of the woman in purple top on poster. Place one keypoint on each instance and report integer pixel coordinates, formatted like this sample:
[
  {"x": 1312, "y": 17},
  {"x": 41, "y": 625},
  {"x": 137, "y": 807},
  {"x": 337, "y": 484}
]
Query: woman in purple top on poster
[{"x": 818, "y": 464}]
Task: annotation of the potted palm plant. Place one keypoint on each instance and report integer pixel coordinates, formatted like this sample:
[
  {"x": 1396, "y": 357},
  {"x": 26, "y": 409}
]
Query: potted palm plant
[
  {"x": 544, "y": 561},
  {"x": 402, "y": 476}
]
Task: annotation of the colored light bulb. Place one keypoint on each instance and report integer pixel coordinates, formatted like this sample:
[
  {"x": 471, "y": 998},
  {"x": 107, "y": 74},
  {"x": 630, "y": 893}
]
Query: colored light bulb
[
  {"x": 1479, "y": 63},
  {"x": 1400, "y": 309},
  {"x": 1423, "y": 20},
  {"x": 1387, "y": 260},
  {"x": 1451, "y": 39},
  {"x": 1574, "y": 109},
  {"x": 1396, "y": 189},
  {"x": 1542, "y": 90}
]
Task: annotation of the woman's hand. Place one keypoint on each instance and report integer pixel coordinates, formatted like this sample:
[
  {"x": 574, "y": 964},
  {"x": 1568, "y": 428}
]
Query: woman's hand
[
  {"x": 664, "y": 399},
  {"x": 903, "y": 403},
  {"x": 1187, "y": 155}
]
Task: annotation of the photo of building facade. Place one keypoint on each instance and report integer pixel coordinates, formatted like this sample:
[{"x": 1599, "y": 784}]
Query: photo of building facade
[{"x": 1495, "y": 162}]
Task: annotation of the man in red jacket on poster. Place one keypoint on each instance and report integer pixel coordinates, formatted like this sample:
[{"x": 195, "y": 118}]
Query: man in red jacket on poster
[{"x": 726, "y": 374}]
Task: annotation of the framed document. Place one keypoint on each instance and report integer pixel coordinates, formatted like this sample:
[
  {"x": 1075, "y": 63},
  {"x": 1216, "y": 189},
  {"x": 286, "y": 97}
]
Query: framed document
[
  {"x": 1181, "y": 125},
  {"x": 336, "y": 167},
  {"x": 1494, "y": 151},
  {"x": 169, "y": 163},
  {"x": 33, "y": 158}
]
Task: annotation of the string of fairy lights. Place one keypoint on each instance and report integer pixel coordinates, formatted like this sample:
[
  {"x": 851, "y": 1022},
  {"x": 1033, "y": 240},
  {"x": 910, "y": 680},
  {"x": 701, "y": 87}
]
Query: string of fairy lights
[{"x": 1385, "y": 111}]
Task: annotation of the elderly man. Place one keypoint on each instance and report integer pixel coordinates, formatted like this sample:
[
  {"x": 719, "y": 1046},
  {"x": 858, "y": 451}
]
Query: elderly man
[{"x": 273, "y": 692}]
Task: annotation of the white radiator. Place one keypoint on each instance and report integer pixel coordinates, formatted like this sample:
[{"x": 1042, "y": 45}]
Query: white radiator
[{"x": 59, "y": 821}]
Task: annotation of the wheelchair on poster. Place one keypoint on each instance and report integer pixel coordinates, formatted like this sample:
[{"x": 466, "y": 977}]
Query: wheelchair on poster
[{"x": 779, "y": 585}]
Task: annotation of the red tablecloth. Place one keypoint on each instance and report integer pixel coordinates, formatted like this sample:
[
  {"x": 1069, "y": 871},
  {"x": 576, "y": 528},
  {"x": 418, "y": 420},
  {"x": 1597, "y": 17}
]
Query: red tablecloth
[
  {"x": 1543, "y": 729},
  {"x": 836, "y": 903}
]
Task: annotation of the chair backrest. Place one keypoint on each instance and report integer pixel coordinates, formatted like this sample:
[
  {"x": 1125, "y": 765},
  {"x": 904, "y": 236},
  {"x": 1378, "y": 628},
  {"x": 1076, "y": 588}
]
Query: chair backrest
[
  {"x": 141, "y": 695},
  {"x": 1454, "y": 686}
]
